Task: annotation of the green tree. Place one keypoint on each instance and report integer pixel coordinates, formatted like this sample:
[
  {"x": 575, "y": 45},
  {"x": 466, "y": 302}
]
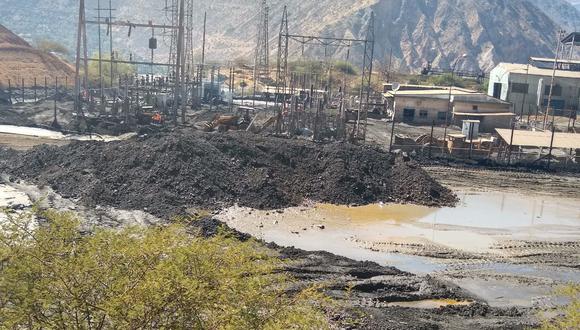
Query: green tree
[
  {"x": 54, "y": 277},
  {"x": 447, "y": 80},
  {"x": 345, "y": 67},
  {"x": 119, "y": 70}
]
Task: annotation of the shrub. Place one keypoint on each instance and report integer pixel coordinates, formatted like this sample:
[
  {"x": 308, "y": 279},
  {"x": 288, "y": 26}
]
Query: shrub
[
  {"x": 570, "y": 315},
  {"x": 141, "y": 278}
]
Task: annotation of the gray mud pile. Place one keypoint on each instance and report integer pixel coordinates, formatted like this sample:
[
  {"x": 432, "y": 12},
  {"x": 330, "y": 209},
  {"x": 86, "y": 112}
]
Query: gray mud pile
[{"x": 167, "y": 173}]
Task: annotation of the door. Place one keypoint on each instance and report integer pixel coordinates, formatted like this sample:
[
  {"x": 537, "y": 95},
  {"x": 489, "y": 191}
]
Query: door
[{"x": 497, "y": 87}]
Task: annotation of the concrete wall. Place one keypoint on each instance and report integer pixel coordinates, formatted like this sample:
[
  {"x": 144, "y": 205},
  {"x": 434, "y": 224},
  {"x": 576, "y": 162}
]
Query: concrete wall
[
  {"x": 430, "y": 107},
  {"x": 434, "y": 108},
  {"x": 481, "y": 107},
  {"x": 488, "y": 124}
]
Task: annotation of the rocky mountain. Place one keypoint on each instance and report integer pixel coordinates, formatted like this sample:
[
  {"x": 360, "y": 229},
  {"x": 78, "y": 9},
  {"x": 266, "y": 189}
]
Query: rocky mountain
[
  {"x": 563, "y": 12},
  {"x": 575, "y": 3},
  {"x": 417, "y": 31},
  {"x": 18, "y": 60}
]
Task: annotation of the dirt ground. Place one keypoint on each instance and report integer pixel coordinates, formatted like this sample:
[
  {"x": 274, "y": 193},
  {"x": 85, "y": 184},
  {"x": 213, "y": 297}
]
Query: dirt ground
[
  {"x": 36, "y": 114},
  {"x": 104, "y": 183},
  {"x": 368, "y": 296},
  {"x": 21, "y": 142},
  {"x": 560, "y": 184},
  {"x": 169, "y": 173}
]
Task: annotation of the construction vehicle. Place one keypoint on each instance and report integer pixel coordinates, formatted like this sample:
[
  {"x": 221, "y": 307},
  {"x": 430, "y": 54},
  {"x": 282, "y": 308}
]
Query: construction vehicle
[{"x": 227, "y": 123}]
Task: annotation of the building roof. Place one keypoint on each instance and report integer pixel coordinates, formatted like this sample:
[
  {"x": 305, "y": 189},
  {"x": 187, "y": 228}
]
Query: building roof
[
  {"x": 287, "y": 90},
  {"x": 459, "y": 95},
  {"x": 541, "y": 139},
  {"x": 411, "y": 87},
  {"x": 573, "y": 37},
  {"x": 551, "y": 60},
  {"x": 485, "y": 114},
  {"x": 534, "y": 71}
]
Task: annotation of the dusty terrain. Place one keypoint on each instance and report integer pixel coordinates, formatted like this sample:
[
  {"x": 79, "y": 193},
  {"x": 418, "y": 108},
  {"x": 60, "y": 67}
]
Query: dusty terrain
[
  {"x": 370, "y": 296},
  {"x": 145, "y": 181}
]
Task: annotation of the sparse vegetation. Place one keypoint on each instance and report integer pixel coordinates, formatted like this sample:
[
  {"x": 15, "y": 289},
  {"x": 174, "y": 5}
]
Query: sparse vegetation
[
  {"x": 51, "y": 46},
  {"x": 570, "y": 315},
  {"x": 53, "y": 277},
  {"x": 443, "y": 80},
  {"x": 119, "y": 70}
]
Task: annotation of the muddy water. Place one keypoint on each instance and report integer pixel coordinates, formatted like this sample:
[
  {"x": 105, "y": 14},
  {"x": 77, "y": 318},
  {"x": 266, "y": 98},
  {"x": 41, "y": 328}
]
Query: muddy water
[
  {"x": 400, "y": 236},
  {"x": 430, "y": 303}
]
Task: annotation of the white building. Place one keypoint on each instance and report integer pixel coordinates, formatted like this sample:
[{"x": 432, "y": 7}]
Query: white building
[{"x": 527, "y": 86}]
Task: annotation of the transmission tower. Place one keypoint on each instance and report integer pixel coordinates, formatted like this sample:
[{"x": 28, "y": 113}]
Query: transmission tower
[
  {"x": 366, "y": 86},
  {"x": 189, "y": 60},
  {"x": 282, "y": 63},
  {"x": 171, "y": 10},
  {"x": 262, "y": 55}
]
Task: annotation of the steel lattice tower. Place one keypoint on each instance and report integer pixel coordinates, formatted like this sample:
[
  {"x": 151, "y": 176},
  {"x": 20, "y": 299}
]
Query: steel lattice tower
[
  {"x": 366, "y": 86},
  {"x": 262, "y": 53},
  {"x": 282, "y": 63}
]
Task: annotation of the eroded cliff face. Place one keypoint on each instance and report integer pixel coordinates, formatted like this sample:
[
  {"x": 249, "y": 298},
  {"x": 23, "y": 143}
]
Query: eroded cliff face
[{"x": 417, "y": 31}]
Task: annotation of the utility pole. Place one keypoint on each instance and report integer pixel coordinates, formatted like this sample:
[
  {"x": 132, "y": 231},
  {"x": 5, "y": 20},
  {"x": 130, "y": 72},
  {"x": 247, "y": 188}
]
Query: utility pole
[
  {"x": 111, "y": 38},
  {"x": 179, "y": 65},
  {"x": 80, "y": 28},
  {"x": 100, "y": 50},
  {"x": 201, "y": 71},
  {"x": 550, "y": 95}
]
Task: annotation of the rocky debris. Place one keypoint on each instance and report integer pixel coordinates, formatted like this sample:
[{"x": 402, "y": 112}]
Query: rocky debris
[{"x": 168, "y": 173}]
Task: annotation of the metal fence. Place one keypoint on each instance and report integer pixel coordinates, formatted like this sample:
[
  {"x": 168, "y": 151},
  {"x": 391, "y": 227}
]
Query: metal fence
[
  {"x": 437, "y": 142},
  {"x": 36, "y": 89}
]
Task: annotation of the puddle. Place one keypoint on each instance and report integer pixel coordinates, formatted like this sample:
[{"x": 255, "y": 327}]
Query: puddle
[
  {"x": 10, "y": 196},
  {"x": 399, "y": 236},
  {"x": 58, "y": 136},
  {"x": 377, "y": 212},
  {"x": 430, "y": 303}
]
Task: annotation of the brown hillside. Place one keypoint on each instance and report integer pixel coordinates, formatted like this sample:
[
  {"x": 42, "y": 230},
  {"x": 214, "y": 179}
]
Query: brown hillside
[{"x": 19, "y": 60}]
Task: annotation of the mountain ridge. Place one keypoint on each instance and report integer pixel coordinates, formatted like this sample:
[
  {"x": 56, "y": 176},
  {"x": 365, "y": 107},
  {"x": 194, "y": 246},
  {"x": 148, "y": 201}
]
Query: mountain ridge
[{"x": 420, "y": 31}]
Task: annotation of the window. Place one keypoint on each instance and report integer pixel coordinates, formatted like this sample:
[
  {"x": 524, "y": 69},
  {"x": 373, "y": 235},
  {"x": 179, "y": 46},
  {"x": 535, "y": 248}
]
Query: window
[
  {"x": 408, "y": 115},
  {"x": 556, "y": 91},
  {"x": 475, "y": 108},
  {"x": 442, "y": 115},
  {"x": 423, "y": 114},
  {"x": 520, "y": 88}
]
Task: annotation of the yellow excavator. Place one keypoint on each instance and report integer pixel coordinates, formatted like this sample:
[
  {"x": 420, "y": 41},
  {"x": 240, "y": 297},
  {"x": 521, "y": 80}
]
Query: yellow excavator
[{"x": 227, "y": 123}]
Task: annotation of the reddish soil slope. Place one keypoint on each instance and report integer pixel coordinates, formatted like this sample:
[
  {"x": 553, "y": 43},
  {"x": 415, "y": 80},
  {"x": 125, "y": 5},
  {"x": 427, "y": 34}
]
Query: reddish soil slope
[{"x": 19, "y": 60}]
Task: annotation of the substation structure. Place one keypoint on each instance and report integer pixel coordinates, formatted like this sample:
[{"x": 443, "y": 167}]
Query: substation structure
[
  {"x": 171, "y": 84},
  {"x": 314, "y": 105}
]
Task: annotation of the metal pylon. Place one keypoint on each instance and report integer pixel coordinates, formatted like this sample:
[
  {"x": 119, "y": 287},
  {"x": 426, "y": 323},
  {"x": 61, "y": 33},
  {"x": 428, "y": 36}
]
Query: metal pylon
[
  {"x": 366, "y": 76},
  {"x": 282, "y": 62},
  {"x": 262, "y": 53}
]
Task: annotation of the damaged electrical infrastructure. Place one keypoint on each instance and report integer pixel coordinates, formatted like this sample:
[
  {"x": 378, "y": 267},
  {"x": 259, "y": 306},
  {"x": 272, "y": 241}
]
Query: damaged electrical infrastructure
[
  {"x": 133, "y": 76},
  {"x": 165, "y": 88}
]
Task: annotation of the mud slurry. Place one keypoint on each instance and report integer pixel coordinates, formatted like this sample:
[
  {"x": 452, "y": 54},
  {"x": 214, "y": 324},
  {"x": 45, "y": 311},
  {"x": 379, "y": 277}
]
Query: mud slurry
[
  {"x": 370, "y": 296},
  {"x": 169, "y": 173}
]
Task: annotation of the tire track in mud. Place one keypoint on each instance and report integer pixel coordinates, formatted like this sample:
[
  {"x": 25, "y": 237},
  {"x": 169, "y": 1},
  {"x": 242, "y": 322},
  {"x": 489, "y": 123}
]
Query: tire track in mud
[
  {"x": 555, "y": 254},
  {"x": 567, "y": 185}
]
